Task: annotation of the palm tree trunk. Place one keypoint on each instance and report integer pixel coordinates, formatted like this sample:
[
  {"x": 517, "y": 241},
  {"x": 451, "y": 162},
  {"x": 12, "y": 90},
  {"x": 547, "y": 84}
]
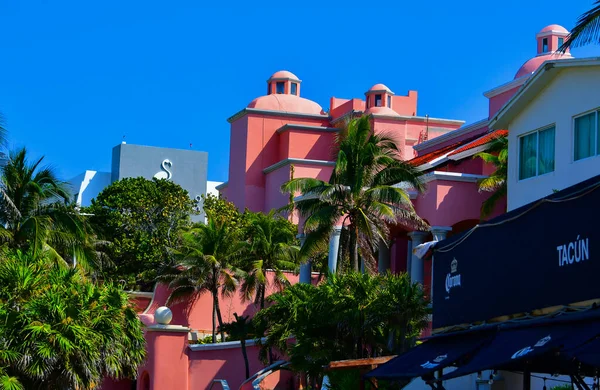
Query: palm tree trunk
[
  {"x": 243, "y": 342},
  {"x": 219, "y": 318},
  {"x": 262, "y": 296},
  {"x": 214, "y": 322},
  {"x": 354, "y": 243}
]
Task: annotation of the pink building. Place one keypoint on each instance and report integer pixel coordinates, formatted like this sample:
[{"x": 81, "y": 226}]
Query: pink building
[{"x": 280, "y": 135}]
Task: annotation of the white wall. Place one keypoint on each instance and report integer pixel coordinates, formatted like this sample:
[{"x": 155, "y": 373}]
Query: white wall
[
  {"x": 88, "y": 185},
  {"x": 211, "y": 187},
  {"x": 572, "y": 92}
]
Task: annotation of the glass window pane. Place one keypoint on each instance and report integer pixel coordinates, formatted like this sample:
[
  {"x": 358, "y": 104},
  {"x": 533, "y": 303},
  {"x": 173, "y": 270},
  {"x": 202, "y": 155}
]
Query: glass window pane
[
  {"x": 561, "y": 41},
  {"x": 377, "y": 100},
  {"x": 527, "y": 156},
  {"x": 294, "y": 88},
  {"x": 544, "y": 45},
  {"x": 389, "y": 101},
  {"x": 546, "y": 151},
  {"x": 280, "y": 87},
  {"x": 584, "y": 136}
]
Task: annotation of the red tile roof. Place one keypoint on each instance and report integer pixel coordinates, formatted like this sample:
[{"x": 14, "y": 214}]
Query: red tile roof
[
  {"x": 428, "y": 157},
  {"x": 481, "y": 141}
]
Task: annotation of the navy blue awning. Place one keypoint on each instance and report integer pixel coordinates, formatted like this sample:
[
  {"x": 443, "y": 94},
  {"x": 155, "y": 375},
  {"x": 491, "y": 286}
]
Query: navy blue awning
[
  {"x": 513, "y": 349},
  {"x": 431, "y": 356},
  {"x": 588, "y": 353}
]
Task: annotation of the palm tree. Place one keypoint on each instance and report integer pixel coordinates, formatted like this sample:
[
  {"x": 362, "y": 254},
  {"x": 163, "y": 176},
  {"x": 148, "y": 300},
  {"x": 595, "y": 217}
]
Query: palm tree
[
  {"x": 240, "y": 329},
  {"x": 36, "y": 213},
  {"x": 362, "y": 192},
  {"x": 496, "y": 154},
  {"x": 61, "y": 331},
  {"x": 207, "y": 255},
  {"x": 587, "y": 29},
  {"x": 270, "y": 247}
]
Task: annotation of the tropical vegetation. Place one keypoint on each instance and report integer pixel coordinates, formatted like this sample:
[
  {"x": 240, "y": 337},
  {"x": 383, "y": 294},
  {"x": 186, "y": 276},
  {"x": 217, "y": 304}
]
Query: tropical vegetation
[
  {"x": 366, "y": 194},
  {"x": 348, "y": 316},
  {"x": 142, "y": 220},
  {"x": 497, "y": 155},
  {"x": 37, "y": 215},
  {"x": 270, "y": 246},
  {"x": 206, "y": 265},
  {"x": 59, "y": 330}
]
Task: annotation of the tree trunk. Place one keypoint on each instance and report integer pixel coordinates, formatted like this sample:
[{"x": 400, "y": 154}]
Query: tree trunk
[
  {"x": 219, "y": 318},
  {"x": 214, "y": 322},
  {"x": 243, "y": 343},
  {"x": 262, "y": 296},
  {"x": 354, "y": 243}
]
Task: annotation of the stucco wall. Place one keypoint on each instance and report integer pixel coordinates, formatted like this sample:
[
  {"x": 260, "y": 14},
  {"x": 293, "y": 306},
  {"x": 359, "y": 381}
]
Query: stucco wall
[
  {"x": 188, "y": 167},
  {"x": 88, "y": 185},
  {"x": 570, "y": 93}
]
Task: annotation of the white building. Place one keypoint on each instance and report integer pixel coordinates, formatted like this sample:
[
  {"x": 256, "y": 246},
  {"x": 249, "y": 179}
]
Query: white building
[{"x": 553, "y": 127}]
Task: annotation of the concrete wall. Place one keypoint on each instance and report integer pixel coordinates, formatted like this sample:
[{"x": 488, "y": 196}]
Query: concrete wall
[
  {"x": 571, "y": 93},
  {"x": 88, "y": 185},
  {"x": 188, "y": 168}
]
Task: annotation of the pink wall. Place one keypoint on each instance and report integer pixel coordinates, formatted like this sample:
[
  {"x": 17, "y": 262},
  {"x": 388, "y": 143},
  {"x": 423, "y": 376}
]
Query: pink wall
[
  {"x": 313, "y": 145},
  {"x": 405, "y": 105},
  {"x": 204, "y": 366},
  {"x": 236, "y": 187},
  {"x": 274, "y": 198},
  {"x": 498, "y": 101}
]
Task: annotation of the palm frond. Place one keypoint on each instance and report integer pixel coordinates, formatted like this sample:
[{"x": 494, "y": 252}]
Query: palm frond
[{"x": 586, "y": 31}]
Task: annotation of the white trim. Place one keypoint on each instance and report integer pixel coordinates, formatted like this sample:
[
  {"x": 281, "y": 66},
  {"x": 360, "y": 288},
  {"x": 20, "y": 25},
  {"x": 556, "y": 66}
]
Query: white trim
[
  {"x": 168, "y": 328},
  {"x": 388, "y": 91},
  {"x": 151, "y": 300},
  {"x": 305, "y": 161},
  {"x": 469, "y": 152},
  {"x": 224, "y": 345},
  {"x": 507, "y": 86},
  {"x": 551, "y": 32},
  {"x": 452, "y": 176},
  {"x": 291, "y": 126},
  {"x": 250, "y": 110},
  {"x": 414, "y": 118},
  {"x": 451, "y": 135},
  {"x": 222, "y": 185},
  {"x": 140, "y": 294}
]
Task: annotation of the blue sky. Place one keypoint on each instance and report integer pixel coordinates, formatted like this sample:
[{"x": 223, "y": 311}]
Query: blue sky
[{"x": 77, "y": 76}]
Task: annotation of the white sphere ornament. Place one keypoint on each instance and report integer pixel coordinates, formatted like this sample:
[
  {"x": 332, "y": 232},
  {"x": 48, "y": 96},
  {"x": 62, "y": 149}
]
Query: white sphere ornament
[{"x": 163, "y": 315}]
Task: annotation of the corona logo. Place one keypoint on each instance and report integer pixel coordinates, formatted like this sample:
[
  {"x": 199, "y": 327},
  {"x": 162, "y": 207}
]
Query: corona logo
[{"x": 454, "y": 266}]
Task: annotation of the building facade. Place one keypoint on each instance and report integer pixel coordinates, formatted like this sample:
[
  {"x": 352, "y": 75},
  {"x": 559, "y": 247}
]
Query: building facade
[
  {"x": 552, "y": 127},
  {"x": 188, "y": 168}
]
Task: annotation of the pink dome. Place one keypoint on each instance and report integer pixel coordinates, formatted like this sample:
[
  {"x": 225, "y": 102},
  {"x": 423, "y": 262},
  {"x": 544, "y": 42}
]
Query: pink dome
[
  {"x": 379, "y": 87},
  {"x": 554, "y": 27},
  {"x": 286, "y": 103},
  {"x": 381, "y": 111},
  {"x": 284, "y": 74},
  {"x": 533, "y": 64}
]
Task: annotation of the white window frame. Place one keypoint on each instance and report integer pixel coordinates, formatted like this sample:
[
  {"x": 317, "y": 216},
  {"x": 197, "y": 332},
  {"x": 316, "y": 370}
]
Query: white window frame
[
  {"x": 537, "y": 150},
  {"x": 596, "y": 151}
]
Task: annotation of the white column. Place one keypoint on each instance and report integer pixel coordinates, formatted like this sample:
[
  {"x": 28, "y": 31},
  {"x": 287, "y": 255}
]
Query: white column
[
  {"x": 439, "y": 232},
  {"x": 306, "y": 267},
  {"x": 334, "y": 247},
  {"x": 383, "y": 262},
  {"x": 408, "y": 256},
  {"x": 417, "y": 269}
]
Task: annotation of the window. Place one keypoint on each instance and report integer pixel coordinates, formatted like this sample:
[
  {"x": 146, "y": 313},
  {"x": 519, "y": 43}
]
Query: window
[
  {"x": 389, "y": 101},
  {"x": 586, "y": 142},
  {"x": 294, "y": 88},
  {"x": 561, "y": 41},
  {"x": 378, "y": 100},
  {"x": 268, "y": 88},
  {"x": 536, "y": 153},
  {"x": 280, "y": 87},
  {"x": 368, "y": 99},
  {"x": 544, "y": 45}
]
